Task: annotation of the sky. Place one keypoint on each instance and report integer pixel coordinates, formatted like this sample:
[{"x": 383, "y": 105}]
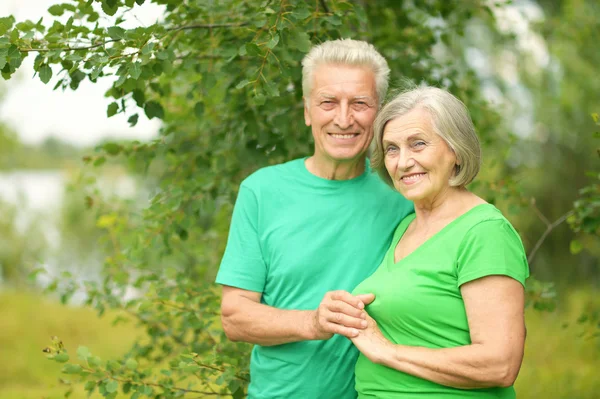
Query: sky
[{"x": 35, "y": 112}]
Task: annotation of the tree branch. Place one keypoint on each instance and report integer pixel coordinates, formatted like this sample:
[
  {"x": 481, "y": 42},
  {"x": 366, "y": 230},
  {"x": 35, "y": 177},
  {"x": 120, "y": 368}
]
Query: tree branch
[
  {"x": 43, "y": 50},
  {"x": 179, "y": 28},
  {"x": 549, "y": 228},
  {"x": 209, "y": 26}
]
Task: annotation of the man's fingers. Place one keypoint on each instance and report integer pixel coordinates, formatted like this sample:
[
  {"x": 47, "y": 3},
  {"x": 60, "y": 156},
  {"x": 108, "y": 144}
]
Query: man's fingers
[
  {"x": 366, "y": 298},
  {"x": 345, "y": 308},
  {"x": 347, "y": 332},
  {"x": 348, "y": 298},
  {"x": 345, "y": 320}
]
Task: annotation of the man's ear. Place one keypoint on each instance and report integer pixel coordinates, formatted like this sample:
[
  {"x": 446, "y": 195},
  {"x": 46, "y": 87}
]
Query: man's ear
[{"x": 306, "y": 112}]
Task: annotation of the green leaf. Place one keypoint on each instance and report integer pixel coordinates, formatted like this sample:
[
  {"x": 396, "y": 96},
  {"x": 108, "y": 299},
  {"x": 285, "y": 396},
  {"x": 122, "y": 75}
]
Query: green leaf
[
  {"x": 25, "y": 26},
  {"x": 271, "y": 89},
  {"x": 242, "y": 84},
  {"x": 112, "y": 386},
  {"x": 57, "y": 10},
  {"x": 199, "y": 110},
  {"x": 147, "y": 49},
  {"x": 154, "y": 110},
  {"x": 83, "y": 353},
  {"x": 90, "y": 386},
  {"x": 112, "y": 148},
  {"x": 133, "y": 120},
  {"x": 300, "y": 40},
  {"x": 116, "y": 32},
  {"x": 62, "y": 357},
  {"x": 238, "y": 393},
  {"x": 72, "y": 369},
  {"x": 575, "y": 247},
  {"x": 140, "y": 2},
  {"x": 135, "y": 70},
  {"x": 45, "y": 73},
  {"x": 131, "y": 364},
  {"x": 110, "y": 7},
  {"x": 273, "y": 42},
  {"x": 99, "y": 161},
  {"x": 94, "y": 361},
  {"x": 6, "y": 24},
  {"x": 302, "y": 12},
  {"x": 112, "y": 109},
  {"x": 335, "y": 20},
  {"x": 252, "y": 49}
]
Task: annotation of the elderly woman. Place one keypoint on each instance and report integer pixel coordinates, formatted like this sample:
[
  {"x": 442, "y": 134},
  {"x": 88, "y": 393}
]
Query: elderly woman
[{"x": 447, "y": 320}]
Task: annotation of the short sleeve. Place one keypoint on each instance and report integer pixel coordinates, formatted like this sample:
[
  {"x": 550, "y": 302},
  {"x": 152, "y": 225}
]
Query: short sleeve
[
  {"x": 492, "y": 247},
  {"x": 243, "y": 265}
]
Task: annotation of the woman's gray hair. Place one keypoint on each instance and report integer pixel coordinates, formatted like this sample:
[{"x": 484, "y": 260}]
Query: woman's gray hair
[
  {"x": 345, "y": 52},
  {"x": 451, "y": 121}
]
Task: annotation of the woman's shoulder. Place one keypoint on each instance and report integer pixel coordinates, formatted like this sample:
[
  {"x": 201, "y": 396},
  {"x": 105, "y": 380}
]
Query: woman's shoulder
[{"x": 487, "y": 222}]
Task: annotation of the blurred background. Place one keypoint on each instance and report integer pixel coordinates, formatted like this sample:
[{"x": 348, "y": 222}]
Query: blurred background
[{"x": 544, "y": 85}]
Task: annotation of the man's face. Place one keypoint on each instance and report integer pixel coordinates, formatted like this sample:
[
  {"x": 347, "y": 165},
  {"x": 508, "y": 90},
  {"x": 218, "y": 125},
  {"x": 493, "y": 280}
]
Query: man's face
[{"x": 343, "y": 105}]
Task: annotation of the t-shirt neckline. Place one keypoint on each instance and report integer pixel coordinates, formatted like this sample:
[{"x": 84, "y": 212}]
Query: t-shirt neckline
[
  {"x": 408, "y": 220},
  {"x": 327, "y": 182}
]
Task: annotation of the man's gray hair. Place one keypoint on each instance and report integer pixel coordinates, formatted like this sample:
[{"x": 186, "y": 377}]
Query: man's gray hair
[
  {"x": 451, "y": 121},
  {"x": 346, "y": 52}
]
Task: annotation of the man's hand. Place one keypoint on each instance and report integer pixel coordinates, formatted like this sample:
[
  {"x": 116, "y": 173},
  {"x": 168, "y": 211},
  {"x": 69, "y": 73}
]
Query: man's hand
[{"x": 340, "y": 313}]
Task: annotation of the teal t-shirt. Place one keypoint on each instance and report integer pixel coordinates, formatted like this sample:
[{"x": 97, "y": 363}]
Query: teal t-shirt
[
  {"x": 418, "y": 300},
  {"x": 293, "y": 237}
]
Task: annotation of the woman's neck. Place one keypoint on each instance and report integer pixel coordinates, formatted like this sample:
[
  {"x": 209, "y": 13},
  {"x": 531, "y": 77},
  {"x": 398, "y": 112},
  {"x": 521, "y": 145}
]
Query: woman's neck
[{"x": 446, "y": 206}]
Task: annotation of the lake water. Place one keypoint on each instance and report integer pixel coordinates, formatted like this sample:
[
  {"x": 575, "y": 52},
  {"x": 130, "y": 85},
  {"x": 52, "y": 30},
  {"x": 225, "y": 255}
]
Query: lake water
[{"x": 37, "y": 197}]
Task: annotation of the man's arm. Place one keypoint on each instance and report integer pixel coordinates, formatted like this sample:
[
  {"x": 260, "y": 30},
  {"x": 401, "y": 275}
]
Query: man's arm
[{"x": 245, "y": 319}]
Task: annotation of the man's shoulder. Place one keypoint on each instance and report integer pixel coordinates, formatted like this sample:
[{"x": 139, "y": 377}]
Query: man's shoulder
[{"x": 269, "y": 176}]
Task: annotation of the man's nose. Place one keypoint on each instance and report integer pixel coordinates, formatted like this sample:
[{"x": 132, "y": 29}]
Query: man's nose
[{"x": 343, "y": 117}]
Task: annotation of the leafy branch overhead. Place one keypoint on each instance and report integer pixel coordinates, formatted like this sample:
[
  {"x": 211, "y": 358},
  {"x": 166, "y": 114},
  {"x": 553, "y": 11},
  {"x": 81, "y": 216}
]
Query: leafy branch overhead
[{"x": 224, "y": 77}]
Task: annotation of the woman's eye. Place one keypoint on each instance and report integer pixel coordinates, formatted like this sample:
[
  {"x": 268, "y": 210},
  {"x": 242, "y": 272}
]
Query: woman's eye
[
  {"x": 390, "y": 148},
  {"x": 418, "y": 143}
]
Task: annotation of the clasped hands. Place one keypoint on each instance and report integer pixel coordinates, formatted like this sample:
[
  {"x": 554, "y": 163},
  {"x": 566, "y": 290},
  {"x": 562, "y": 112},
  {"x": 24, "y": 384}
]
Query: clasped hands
[{"x": 343, "y": 313}]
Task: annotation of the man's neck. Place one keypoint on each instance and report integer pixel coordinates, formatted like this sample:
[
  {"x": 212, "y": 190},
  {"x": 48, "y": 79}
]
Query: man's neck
[{"x": 334, "y": 170}]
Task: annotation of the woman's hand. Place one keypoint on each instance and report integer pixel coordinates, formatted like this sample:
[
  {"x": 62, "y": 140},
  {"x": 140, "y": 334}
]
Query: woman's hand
[{"x": 371, "y": 342}]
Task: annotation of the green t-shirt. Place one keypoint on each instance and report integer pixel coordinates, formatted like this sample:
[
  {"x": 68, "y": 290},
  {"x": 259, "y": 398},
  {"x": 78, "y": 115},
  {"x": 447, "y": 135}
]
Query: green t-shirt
[
  {"x": 293, "y": 237},
  {"x": 418, "y": 300}
]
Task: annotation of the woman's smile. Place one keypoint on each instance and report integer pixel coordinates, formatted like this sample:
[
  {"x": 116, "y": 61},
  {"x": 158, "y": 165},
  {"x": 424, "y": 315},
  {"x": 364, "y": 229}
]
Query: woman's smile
[{"x": 412, "y": 178}]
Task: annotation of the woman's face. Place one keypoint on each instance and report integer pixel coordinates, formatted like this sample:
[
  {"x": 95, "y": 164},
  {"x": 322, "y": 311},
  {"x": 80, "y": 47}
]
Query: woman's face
[{"x": 418, "y": 160}]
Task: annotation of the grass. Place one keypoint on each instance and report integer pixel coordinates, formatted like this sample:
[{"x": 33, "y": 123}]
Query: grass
[
  {"x": 558, "y": 364},
  {"x": 27, "y": 321}
]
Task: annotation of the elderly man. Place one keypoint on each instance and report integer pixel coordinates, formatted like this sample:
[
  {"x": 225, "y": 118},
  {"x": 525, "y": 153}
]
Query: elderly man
[{"x": 306, "y": 233}]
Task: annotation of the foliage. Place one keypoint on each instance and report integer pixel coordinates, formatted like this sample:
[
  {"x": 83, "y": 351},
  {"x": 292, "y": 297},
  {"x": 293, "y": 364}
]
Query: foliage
[
  {"x": 224, "y": 77},
  {"x": 586, "y": 216},
  {"x": 560, "y": 148}
]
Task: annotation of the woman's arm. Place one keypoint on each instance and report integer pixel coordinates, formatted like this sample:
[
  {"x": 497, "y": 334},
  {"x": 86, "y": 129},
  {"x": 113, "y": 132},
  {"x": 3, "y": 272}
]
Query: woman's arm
[{"x": 495, "y": 311}]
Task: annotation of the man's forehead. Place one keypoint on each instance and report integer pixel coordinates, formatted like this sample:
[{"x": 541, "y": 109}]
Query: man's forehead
[{"x": 333, "y": 96}]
